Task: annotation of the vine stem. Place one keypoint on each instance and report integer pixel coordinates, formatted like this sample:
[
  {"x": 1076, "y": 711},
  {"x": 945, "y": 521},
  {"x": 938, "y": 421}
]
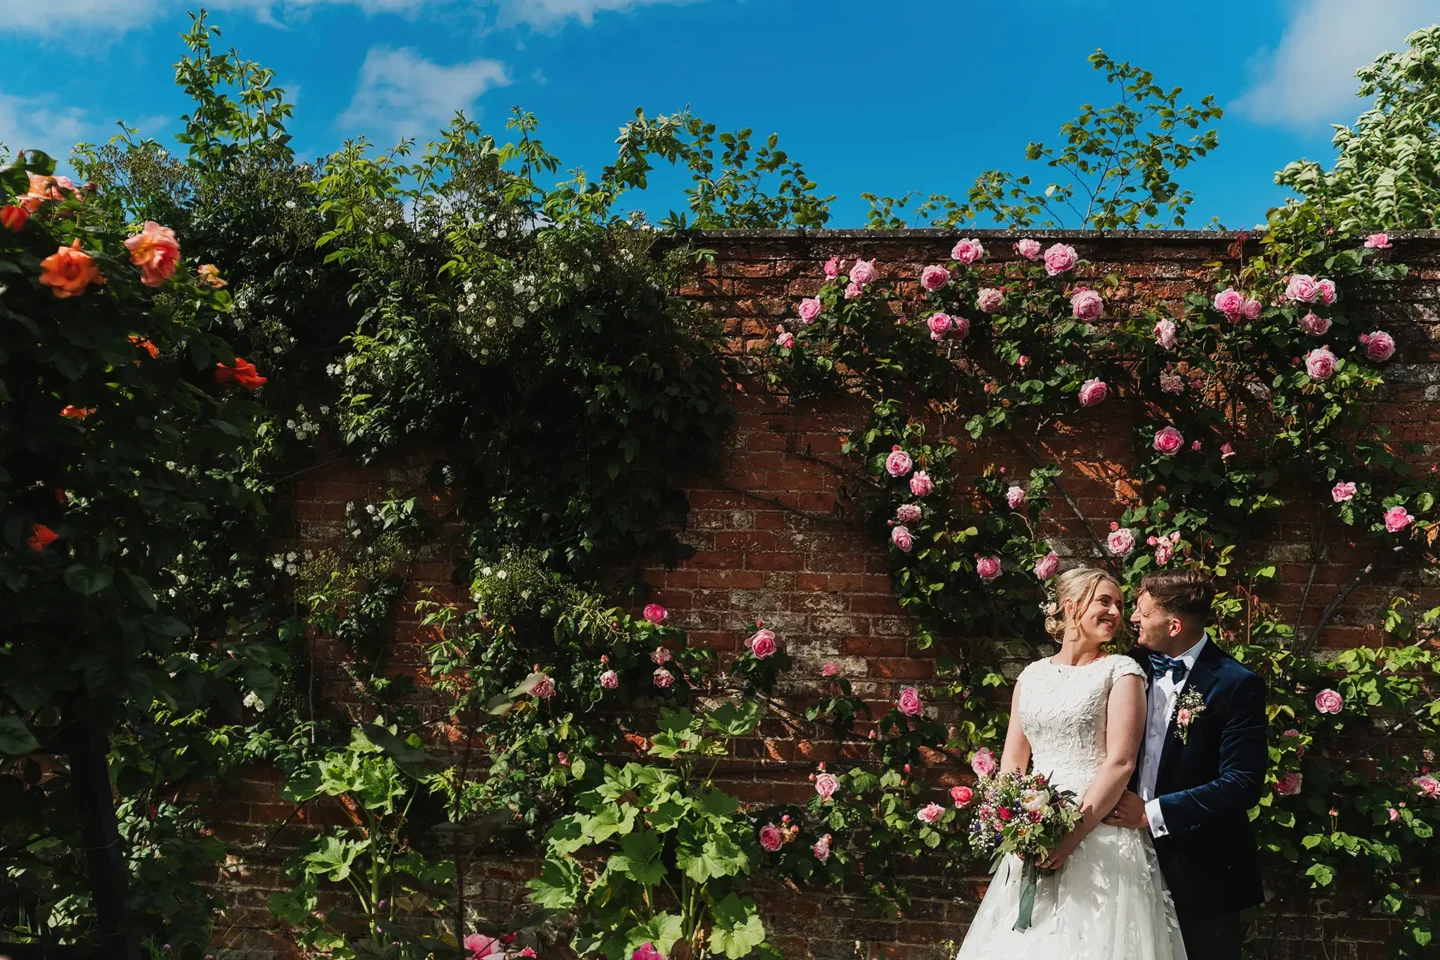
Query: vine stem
[
  {"x": 819, "y": 518},
  {"x": 1305, "y": 649},
  {"x": 1075, "y": 507}
]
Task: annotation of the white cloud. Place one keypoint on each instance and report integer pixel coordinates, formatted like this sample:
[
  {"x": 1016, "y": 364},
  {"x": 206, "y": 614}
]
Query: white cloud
[
  {"x": 403, "y": 94},
  {"x": 67, "y": 16},
  {"x": 32, "y": 123},
  {"x": 1309, "y": 78},
  {"x": 552, "y": 13}
]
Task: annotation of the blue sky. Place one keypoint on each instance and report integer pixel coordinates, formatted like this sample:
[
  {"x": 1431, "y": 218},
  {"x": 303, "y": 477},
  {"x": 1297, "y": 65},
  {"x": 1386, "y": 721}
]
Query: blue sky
[{"x": 885, "y": 97}]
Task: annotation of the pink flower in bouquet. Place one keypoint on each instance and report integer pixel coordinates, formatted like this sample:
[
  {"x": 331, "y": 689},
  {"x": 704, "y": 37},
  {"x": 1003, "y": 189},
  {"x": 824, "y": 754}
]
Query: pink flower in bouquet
[
  {"x": 654, "y": 613},
  {"x": 1059, "y": 258},
  {"x": 1378, "y": 241},
  {"x": 910, "y": 703},
  {"x": 962, "y": 796},
  {"x": 609, "y": 679},
  {"x": 898, "y": 463},
  {"x": 968, "y": 251},
  {"x": 908, "y": 512},
  {"x": 1015, "y": 496},
  {"x": 1301, "y": 289},
  {"x": 939, "y": 325},
  {"x": 1086, "y": 304},
  {"x": 1343, "y": 491},
  {"x": 1326, "y": 289},
  {"x": 1165, "y": 334},
  {"x": 920, "y": 484},
  {"x": 481, "y": 947},
  {"x": 863, "y": 271},
  {"x": 1093, "y": 391},
  {"x": 987, "y": 567},
  {"x": 989, "y": 300},
  {"x": 1027, "y": 248},
  {"x": 1397, "y": 519},
  {"x": 762, "y": 644},
  {"x": 770, "y": 837},
  {"x": 647, "y": 951},
  {"x": 826, "y": 784},
  {"x": 930, "y": 813},
  {"x": 809, "y": 309},
  {"x": 786, "y": 339},
  {"x": 1168, "y": 441},
  {"x": 900, "y": 536},
  {"x": 829, "y": 670},
  {"x": 1251, "y": 309},
  {"x": 833, "y": 267},
  {"x": 1320, "y": 364},
  {"x": 1316, "y": 326},
  {"x": 661, "y": 655},
  {"x": 543, "y": 687},
  {"x": 853, "y": 290},
  {"x": 1289, "y": 785},
  {"x": 1121, "y": 541},
  {"x": 1329, "y": 701},
  {"x": 821, "y": 849},
  {"x": 984, "y": 763},
  {"x": 1172, "y": 383},
  {"x": 934, "y": 277},
  {"x": 1379, "y": 346},
  {"x": 1047, "y": 566},
  {"x": 1230, "y": 303},
  {"x": 664, "y": 678}
]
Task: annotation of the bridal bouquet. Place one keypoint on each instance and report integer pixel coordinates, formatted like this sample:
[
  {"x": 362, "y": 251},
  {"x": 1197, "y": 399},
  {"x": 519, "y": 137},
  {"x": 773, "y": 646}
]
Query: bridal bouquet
[{"x": 1022, "y": 814}]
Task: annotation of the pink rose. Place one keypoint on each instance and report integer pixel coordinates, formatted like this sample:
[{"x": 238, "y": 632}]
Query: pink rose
[
  {"x": 989, "y": 300},
  {"x": 1377, "y": 241},
  {"x": 920, "y": 484},
  {"x": 829, "y": 670},
  {"x": 1343, "y": 491},
  {"x": 1379, "y": 346},
  {"x": 609, "y": 679},
  {"x": 983, "y": 763},
  {"x": 959, "y": 328},
  {"x": 1029, "y": 249},
  {"x": 1047, "y": 566},
  {"x": 661, "y": 655},
  {"x": 664, "y": 678},
  {"x": 1226, "y": 451},
  {"x": 809, "y": 309},
  {"x": 762, "y": 644},
  {"x": 987, "y": 567},
  {"x": 910, "y": 703},
  {"x": 1251, "y": 309},
  {"x": 1121, "y": 541},
  {"x": 934, "y": 277},
  {"x": 1315, "y": 326},
  {"x": 1168, "y": 441},
  {"x": 1165, "y": 334},
  {"x": 1182, "y": 718},
  {"x": 1301, "y": 289},
  {"x": 900, "y": 536},
  {"x": 962, "y": 796},
  {"x": 930, "y": 813},
  {"x": 1289, "y": 785},
  {"x": 908, "y": 512},
  {"x": 1172, "y": 383},
  {"x": 1093, "y": 391},
  {"x": 1086, "y": 304},
  {"x": 821, "y": 849},
  {"x": 833, "y": 266},
  {"x": 852, "y": 290},
  {"x": 1393, "y": 814},
  {"x": 1326, "y": 289},
  {"x": 1164, "y": 550},
  {"x": 482, "y": 947},
  {"x": 939, "y": 325},
  {"x": 1059, "y": 258},
  {"x": 770, "y": 837},
  {"x": 1230, "y": 303},
  {"x": 826, "y": 784},
  {"x": 1428, "y": 785},
  {"x": 1397, "y": 519},
  {"x": 543, "y": 687},
  {"x": 655, "y": 613},
  {"x": 647, "y": 951},
  {"x": 1195, "y": 445},
  {"x": 1015, "y": 496},
  {"x": 968, "y": 251},
  {"x": 1320, "y": 364},
  {"x": 155, "y": 251},
  {"x": 863, "y": 271},
  {"x": 1329, "y": 701},
  {"x": 898, "y": 462},
  {"x": 786, "y": 339}
]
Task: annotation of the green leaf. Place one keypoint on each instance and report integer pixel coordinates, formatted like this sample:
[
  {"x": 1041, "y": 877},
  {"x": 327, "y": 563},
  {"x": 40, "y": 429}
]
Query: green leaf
[
  {"x": 333, "y": 856},
  {"x": 639, "y": 858},
  {"x": 663, "y": 930},
  {"x": 1322, "y": 874},
  {"x": 15, "y": 737},
  {"x": 87, "y": 580},
  {"x": 293, "y": 906},
  {"x": 166, "y": 626},
  {"x": 557, "y": 886},
  {"x": 734, "y": 719},
  {"x": 738, "y": 929}
]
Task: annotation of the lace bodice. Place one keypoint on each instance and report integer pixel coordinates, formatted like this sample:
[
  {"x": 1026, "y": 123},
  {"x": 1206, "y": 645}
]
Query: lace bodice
[{"x": 1063, "y": 713}]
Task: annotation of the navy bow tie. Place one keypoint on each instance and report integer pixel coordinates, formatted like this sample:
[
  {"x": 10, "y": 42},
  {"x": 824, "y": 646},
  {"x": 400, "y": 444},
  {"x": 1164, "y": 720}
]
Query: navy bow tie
[{"x": 1163, "y": 664}]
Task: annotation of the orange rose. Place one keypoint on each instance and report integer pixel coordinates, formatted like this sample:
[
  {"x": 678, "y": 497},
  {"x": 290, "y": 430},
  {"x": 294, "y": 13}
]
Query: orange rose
[
  {"x": 209, "y": 273},
  {"x": 146, "y": 345},
  {"x": 243, "y": 373},
  {"x": 155, "y": 251},
  {"x": 41, "y": 537},
  {"x": 42, "y": 189},
  {"x": 69, "y": 270},
  {"x": 12, "y": 218},
  {"x": 77, "y": 413}
]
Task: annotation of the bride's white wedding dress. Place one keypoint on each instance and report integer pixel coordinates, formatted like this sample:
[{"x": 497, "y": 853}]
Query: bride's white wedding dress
[{"x": 1108, "y": 901}]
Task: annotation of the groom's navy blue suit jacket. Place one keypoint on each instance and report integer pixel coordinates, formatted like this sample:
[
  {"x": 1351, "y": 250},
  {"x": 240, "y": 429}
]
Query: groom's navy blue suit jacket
[{"x": 1207, "y": 785}]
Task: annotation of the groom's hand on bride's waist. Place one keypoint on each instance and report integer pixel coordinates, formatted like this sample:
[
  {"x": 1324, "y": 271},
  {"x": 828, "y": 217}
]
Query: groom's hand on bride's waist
[{"x": 1128, "y": 812}]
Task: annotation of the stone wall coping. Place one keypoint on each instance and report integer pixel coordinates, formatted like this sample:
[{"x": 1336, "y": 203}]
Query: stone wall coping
[{"x": 931, "y": 233}]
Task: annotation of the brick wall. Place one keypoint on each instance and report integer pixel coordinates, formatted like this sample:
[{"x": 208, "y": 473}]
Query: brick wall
[{"x": 769, "y": 544}]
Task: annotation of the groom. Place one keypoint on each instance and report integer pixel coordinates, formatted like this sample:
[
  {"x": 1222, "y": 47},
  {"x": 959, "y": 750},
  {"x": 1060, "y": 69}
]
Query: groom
[{"x": 1202, "y": 763}]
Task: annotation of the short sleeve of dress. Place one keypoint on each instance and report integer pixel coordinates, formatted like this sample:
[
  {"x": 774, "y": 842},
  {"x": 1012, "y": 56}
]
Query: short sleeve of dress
[{"x": 1122, "y": 666}]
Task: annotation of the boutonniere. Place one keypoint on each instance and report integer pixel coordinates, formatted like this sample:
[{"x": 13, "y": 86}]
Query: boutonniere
[{"x": 1189, "y": 705}]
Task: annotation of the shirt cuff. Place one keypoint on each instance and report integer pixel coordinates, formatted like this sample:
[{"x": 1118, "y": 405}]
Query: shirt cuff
[{"x": 1156, "y": 818}]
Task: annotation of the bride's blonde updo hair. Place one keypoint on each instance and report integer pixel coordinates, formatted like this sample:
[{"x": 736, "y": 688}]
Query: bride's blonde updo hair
[{"x": 1078, "y": 584}]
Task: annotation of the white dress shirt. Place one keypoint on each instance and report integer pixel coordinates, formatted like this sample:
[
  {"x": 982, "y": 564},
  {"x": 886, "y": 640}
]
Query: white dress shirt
[{"x": 1161, "y": 704}]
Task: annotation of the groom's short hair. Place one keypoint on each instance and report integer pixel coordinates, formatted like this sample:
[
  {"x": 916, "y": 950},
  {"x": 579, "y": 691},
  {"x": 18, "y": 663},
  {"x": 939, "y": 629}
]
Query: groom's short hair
[{"x": 1184, "y": 593}]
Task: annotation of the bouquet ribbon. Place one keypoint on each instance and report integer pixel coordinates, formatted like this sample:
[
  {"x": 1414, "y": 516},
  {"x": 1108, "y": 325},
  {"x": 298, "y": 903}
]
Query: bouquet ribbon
[{"x": 1029, "y": 877}]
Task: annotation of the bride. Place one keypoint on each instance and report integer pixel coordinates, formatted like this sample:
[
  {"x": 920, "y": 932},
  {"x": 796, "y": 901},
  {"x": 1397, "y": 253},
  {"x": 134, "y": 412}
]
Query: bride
[{"x": 1078, "y": 717}]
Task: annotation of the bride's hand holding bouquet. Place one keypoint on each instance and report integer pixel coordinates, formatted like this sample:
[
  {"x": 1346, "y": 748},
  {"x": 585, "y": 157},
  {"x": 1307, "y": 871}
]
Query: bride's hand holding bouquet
[{"x": 1024, "y": 815}]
